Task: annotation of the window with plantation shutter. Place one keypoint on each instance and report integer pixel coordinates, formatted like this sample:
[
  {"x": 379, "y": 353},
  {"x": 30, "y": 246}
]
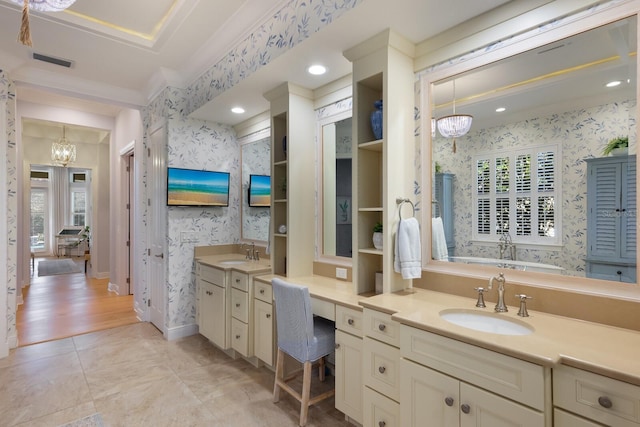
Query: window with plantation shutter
[{"x": 516, "y": 193}]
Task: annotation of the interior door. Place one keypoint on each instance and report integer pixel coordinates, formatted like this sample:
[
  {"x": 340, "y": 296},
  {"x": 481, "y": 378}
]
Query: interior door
[{"x": 157, "y": 226}]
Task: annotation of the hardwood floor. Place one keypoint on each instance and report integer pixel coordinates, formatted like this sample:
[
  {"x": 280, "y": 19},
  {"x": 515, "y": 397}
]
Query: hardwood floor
[{"x": 67, "y": 305}]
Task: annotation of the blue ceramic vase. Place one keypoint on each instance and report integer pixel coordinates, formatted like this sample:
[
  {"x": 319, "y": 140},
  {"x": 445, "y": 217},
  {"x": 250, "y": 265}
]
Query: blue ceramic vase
[{"x": 376, "y": 120}]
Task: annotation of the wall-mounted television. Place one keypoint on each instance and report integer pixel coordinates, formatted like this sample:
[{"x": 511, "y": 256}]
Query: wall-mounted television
[
  {"x": 259, "y": 190},
  {"x": 190, "y": 187}
]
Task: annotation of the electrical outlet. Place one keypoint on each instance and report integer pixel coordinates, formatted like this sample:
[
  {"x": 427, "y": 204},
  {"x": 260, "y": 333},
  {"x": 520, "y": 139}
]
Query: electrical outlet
[{"x": 341, "y": 273}]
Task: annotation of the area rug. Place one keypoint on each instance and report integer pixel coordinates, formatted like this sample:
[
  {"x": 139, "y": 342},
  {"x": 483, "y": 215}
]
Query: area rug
[
  {"x": 94, "y": 420},
  {"x": 57, "y": 266}
]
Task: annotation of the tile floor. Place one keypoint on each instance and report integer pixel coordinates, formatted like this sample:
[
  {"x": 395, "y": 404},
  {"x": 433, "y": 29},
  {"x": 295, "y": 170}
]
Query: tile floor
[{"x": 133, "y": 377}]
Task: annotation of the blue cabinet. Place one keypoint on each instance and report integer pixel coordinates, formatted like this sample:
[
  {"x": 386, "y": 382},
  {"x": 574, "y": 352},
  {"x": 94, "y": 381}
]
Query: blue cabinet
[
  {"x": 611, "y": 218},
  {"x": 443, "y": 207}
]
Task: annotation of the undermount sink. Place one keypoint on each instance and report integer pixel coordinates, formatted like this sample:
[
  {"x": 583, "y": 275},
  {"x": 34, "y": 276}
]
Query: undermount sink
[
  {"x": 486, "y": 322},
  {"x": 233, "y": 261}
]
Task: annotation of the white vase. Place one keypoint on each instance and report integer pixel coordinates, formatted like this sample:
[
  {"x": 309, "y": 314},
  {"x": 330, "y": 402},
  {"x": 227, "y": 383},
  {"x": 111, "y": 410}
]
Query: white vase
[
  {"x": 377, "y": 240},
  {"x": 622, "y": 151}
]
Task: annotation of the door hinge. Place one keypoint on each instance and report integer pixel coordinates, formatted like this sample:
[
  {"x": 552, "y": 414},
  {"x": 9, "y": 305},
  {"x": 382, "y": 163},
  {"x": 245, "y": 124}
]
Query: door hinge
[
  {"x": 128, "y": 169},
  {"x": 148, "y": 202},
  {"x": 148, "y": 152},
  {"x": 128, "y": 206},
  {"x": 128, "y": 243},
  {"x": 148, "y": 252},
  {"x": 149, "y": 302},
  {"x": 128, "y": 280}
]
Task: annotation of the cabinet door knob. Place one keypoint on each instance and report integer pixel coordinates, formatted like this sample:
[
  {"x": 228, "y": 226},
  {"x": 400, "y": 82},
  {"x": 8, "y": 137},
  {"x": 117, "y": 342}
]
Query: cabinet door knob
[
  {"x": 382, "y": 369},
  {"x": 350, "y": 321},
  {"x": 337, "y": 346},
  {"x": 262, "y": 291},
  {"x": 465, "y": 408},
  {"x": 382, "y": 424},
  {"x": 619, "y": 272},
  {"x": 237, "y": 304},
  {"x": 382, "y": 326},
  {"x": 237, "y": 337},
  {"x": 448, "y": 401},
  {"x": 268, "y": 316},
  {"x": 605, "y": 402},
  {"x": 237, "y": 280}
]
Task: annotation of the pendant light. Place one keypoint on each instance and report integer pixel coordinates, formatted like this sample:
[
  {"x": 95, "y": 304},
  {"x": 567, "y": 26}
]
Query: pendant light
[
  {"x": 24, "y": 36},
  {"x": 62, "y": 151},
  {"x": 454, "y": 125}
]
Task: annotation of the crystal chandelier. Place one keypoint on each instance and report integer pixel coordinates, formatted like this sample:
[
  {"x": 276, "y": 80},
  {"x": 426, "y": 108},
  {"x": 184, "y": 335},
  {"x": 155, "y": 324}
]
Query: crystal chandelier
[
  {"x": 41, "y": 6},
  {"x": 62, "y": 151},
  {"x": 454, "y": 125}
]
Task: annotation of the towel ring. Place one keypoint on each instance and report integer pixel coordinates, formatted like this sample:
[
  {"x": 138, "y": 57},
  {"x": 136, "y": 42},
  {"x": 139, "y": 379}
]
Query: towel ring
[{"x": 400, "y": 202}]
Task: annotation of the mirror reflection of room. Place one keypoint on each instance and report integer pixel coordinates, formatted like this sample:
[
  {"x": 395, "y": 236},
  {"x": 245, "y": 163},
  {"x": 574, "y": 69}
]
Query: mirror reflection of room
[
  {"x": 256, "y": 161},
  {"x": 532, "y": 185},
  {"x": 336, "y": 188}
]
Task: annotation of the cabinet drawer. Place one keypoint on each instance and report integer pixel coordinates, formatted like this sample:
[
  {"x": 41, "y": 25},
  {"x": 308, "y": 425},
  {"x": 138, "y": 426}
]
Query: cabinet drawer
[
  {"x": 323, "y": 308},
  {"x": 622, "y": 273},
  {"x": 596, "y": 397},
  {"x": 380, "y": 410},
  {"x": 381, "y": 364},
  {"x": 349, "y": 320},
  {"x": 240, "y": 281},
  {"x": 240, "y": 305},
  {"x": 565, "y": 419},
  {"x": 240, "y": 337},
  {"x": 516, "y": 379},
  {"x": 262, "y": 291},
  {"x": 212, "y": 275},
  {"x": 380, "y": 326}
]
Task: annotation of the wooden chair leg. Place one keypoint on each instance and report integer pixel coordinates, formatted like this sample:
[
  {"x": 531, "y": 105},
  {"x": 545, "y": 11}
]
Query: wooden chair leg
[
  {"x": 279, "y": 375},
  {"x": 321, "y": 369},
  {"x": 306, "y": 391}
]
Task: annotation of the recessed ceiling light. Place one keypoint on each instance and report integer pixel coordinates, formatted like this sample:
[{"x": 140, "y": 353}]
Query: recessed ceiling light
[
  {"x": 237, "y": 110},
  {"x": 613, "y": 83},
  {"x": 317, "y": 70},
  {"x": 500, "y": 109}
]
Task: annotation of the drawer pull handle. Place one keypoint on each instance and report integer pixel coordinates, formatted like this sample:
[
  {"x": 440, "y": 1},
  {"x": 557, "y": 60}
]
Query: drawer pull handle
[
  {"x": 237, "y": 280},
  {"x": 382, "y": 424},
  {"x": 448, "y": 401},
  {"x": 237, "y": 304},
  {"x": 382, "y": 326},
  {"x": 465, "y": 408},
  {"x": 337, "y": 346},
  {"x": 262, "y": 291},
  {"x": 268, "y": 316},
  {"x": 237, "y": 337},
  {"x": 382, "y": 369},
  {"x": 350, "y": 321},
  {"x": 605, "y": 402}
]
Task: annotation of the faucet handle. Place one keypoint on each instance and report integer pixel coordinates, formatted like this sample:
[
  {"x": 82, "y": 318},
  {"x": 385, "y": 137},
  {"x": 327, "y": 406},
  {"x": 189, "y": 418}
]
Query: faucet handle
[
  {"x": 480, "y": 303},
  {"x": 523, "y": 305}
]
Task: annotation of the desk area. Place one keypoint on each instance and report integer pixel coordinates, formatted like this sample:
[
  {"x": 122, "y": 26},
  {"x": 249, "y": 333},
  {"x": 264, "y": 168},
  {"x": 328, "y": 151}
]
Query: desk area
[{"x": 69, "y": 240}]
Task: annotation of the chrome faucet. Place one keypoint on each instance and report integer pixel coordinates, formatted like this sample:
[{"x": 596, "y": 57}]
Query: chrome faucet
[
  {"x": 251, "y": 253},
  {"x": 500, "y": 306},
  {"x": 505, "y": 245}
]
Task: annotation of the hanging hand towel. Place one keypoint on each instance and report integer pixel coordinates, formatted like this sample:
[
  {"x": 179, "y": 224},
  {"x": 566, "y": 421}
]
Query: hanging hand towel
[
  {"x": 408, "y": 254},
  {"x": 439, "y": 249}
]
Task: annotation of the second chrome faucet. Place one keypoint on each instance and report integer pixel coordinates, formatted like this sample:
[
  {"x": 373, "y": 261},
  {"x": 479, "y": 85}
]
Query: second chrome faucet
[{"x": 501, "y": 307}]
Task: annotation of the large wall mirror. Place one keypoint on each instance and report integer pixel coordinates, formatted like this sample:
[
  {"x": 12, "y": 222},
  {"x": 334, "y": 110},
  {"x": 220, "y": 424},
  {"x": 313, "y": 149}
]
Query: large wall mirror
[
  {"x": 530, "y": 186},
  {"x": 336, "y": 231},
  {"x": 256, "y": 160}
]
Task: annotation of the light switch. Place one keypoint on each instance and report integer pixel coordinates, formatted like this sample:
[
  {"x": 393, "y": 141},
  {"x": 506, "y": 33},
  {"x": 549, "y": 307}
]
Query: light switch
[{"x": 341, "y": 273}]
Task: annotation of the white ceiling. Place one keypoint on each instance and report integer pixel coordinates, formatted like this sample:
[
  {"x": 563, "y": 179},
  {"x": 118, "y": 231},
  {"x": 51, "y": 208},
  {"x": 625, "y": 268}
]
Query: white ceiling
[{"x": 122, "y": 51}]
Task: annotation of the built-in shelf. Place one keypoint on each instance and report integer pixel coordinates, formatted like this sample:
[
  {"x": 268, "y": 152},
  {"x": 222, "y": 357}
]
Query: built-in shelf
[
  {"x": 371, "y": 251},
  {"x": 373, "y": 145},
  {"x": 373, "y": 209}
]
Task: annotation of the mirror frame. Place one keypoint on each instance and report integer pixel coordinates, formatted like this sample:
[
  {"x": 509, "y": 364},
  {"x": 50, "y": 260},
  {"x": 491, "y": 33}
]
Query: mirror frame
[
  {"x": 321, "y": 257},
  {"x": 460, "y": 65},
  {"x": 246, "y": 140}
]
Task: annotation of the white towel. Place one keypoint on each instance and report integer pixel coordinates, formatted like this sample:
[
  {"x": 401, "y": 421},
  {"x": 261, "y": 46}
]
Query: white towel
[
  {"x": 408, "y": 254},
  {"x": 439, "y": 249}
]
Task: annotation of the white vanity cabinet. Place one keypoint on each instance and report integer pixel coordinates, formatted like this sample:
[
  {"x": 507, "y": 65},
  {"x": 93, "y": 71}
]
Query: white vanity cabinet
[
  {"x": 381, "y": 369},
  {"x": 450, "y": 383},
  {"x": 263, "y": 321},
  {"x": 584, "y": 398},
  {"x": 212, "y": 304},
  {"x": 348, "y": 362}
]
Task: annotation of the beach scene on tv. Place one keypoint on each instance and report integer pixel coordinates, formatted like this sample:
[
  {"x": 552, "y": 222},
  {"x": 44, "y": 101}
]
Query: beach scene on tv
[
  {"x": 186, "y": 187},
  {"x": 260, "y": 190}
]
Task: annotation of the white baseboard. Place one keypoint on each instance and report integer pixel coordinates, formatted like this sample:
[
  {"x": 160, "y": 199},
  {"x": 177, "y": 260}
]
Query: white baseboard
[
  {"x": 181, "y": 332},
  {"x": 113, "y": 288},
  {"x": 103, "y": 275},
  {"x": 12, "y": 341}
]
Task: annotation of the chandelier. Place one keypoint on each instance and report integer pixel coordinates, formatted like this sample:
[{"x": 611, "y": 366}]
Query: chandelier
[
  {"x": 454, "y": 125},
  {"x": 41, "y": 6},
  {"x": 62, "y": 151}
]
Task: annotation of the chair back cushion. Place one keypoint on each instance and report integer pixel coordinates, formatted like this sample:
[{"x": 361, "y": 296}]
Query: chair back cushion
[{"x": 294, "y": 318}]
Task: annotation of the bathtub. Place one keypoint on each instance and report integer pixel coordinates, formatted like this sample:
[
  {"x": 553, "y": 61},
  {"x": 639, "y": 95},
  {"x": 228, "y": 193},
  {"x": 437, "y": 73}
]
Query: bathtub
[{"x": 507, "y": 263}]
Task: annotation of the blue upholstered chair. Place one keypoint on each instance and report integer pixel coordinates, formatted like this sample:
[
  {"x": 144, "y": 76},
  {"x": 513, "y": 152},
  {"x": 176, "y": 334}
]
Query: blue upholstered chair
[{"x": 303, "y": 337}]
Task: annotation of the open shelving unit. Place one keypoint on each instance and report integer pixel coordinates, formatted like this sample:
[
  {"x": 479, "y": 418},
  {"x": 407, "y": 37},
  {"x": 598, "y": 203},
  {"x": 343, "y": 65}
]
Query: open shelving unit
[{"x": 382, "y": 70}]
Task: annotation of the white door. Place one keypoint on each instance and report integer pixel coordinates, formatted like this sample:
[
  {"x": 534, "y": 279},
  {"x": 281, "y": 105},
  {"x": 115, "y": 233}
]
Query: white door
[{"x": 157, "y": 226}]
